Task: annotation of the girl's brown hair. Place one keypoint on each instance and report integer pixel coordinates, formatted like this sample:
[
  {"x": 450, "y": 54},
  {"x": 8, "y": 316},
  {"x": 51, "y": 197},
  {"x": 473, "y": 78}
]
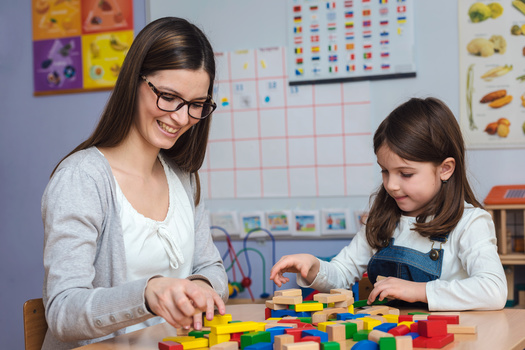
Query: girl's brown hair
[
  {"x": 422, "y": 130},
  {"x": 166, "y": 43}
]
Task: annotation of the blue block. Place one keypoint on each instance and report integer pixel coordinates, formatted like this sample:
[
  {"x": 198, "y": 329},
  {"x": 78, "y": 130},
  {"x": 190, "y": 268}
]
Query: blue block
[
  {"x": 277, "y": 331},
  {"x": 316, "y": 333},
  {"x": 361, "y": 315},
  {"x": 365, "y": 345},
  {"x": 283, "y": 313},
  {"x": 385, "y": 327},
  {"x": 345, "y": 316},
  {"x": 260, "y": 346},
  {"x": 414, "y": 335}
]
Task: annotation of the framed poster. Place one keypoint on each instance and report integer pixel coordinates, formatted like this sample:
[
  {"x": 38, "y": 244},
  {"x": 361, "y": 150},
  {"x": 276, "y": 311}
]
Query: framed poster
[
  {"x": 351, "y": 40},
  {"x": 79, "y": 45},
  {"x": 492, "y": 73}
]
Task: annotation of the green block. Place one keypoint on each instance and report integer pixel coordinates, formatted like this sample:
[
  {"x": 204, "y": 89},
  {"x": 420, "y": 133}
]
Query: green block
[
  {"x": 237, "y": 321},
  {"x": 251, "y": 338},
  {"x": 198, "y": 334},
  {"x": 305, "y": 319},
  {"x": 330, "y": 345},
  {"x": 364, "y": 302},
  {"x": 387, "y": 343},
  {"x": 419, "y": 313},
  {"x": 361, "y": 335},
  {"x": 350, "y": 329}
]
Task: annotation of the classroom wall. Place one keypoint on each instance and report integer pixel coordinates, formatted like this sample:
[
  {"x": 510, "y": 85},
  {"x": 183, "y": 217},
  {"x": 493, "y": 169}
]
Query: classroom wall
[{"x": 35, "y": 132}]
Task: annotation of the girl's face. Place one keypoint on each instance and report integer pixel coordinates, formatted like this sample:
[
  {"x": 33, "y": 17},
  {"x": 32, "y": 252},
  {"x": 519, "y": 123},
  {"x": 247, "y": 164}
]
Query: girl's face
[
  {"x": 161, "y": 129},
  {"x": 412, "y": 184}
]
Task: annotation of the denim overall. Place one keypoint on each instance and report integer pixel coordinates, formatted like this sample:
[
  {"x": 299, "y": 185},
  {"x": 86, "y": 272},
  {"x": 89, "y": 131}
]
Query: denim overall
[{"x": 407, "y": 263}]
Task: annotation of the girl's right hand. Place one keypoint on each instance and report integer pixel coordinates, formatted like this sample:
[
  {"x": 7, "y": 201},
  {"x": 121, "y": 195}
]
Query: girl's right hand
[{"x": 305, "y": 264}]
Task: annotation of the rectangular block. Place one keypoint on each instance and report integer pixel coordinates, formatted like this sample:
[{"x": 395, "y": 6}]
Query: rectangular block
[
  {"x": 404, "y": 342},
  {"x": 336, "y": 332},
  {"x": 432, "y": 328},
  {"x": 218, "y": 319},
  {"x": 280, "y": 340},
  {"x": 326, "y": 298},
  {"x": 288, "y": 292},
  {"x": 215, "y": 339},
  {"x": 234, "y": 327},
  {"x": 195, "y": 343},
  {"x": 308, "y": 307},
  {"x": 375, "y": 335},
  {"x": 273, "y": 306},
  {"x": 229, "y": 345},
  {"x": 460, "y": 329},
  {"x": 288, "y": 300},
  {"x": 309, "y": 345},
  {"x": 170, "y": 345}
]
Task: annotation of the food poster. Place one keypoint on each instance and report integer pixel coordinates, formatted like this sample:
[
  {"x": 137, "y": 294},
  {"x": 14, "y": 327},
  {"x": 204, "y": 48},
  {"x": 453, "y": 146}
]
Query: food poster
[
  {"x": 57, "y": 64},
  {"x": 56, "y": 19},
  {"x": 103, "y": 55},
  {"x": 492, "y": 73},
  {"x": 79, "y": 45}
]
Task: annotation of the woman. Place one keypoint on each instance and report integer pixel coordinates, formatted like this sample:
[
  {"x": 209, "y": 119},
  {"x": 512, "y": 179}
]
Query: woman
[{"x": 126, "y": 237}]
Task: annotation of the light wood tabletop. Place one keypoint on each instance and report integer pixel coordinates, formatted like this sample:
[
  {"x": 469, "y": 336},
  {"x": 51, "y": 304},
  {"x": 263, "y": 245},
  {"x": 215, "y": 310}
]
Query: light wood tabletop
[{"x": 496, "y": 330}]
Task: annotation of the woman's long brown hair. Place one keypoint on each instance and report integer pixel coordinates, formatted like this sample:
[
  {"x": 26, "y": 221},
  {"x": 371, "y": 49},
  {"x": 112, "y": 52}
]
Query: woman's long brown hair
[
  {"x": 167, "y": 43},
  {"x": 422, "y": 130}
]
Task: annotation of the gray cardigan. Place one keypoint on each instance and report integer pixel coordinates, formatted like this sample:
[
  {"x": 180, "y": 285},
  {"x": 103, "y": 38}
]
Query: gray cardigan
[{"x": 85, "y": 292}]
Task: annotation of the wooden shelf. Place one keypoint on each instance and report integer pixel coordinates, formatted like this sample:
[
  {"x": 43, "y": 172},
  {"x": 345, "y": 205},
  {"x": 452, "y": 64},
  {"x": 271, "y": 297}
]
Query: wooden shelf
[{"x": 513, "y": 259}]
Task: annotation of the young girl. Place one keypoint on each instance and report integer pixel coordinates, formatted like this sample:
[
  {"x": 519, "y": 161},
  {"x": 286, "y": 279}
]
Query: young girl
[
  {"x": 425, "y": 232},
  {"x": 126, "y": 235}
]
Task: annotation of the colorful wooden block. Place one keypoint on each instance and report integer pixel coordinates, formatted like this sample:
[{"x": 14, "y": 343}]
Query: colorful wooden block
[
  {"x": 360, "y": 335},
  {"x": 375, "y": 335},
  {"x": 308, "y": 307},
  {"x": 215, "y": 339},
  {"x": 322, "y": 325},
  {"x": 331, "y": 345},
  {"x": 270, "y": 304},
  {"x": 170, "y": 345},
  {"x": 336, "y": 332},
  {"x": 288, "y": 300},
  {"x": 387, "y": 343},
  {"x": 404, "y": 342},
  {"x": 439, "y": 342},
  {"x": 254, "y": 338},
  {"x": 309, "y": 345},
  {"x": 310, "y": 338},
  {"x": 369, "y": 323},
  {"x": 316, "y": 333},
  {"x": 288, "y": 292},
  {"x": 365, "y": 345},
  {"x": 234, "y": 327},
  {"x": 385, "y": 327},
  {"x": 195, "y": 343},
  {"x": 326, "y": 298},
  {"x": 280, "y": 340},
  {"x": 229, "y": 345},
  {"x": 350, "y": 329},
  {"x": 450, "y": 319},
  {"x": 399, "y": 330},
  {"x": 260, "y": 346},
  {"x": 460, "y": 329},
  {"x": 432, "y": 328},
  {"x": 218, "y": 319}
]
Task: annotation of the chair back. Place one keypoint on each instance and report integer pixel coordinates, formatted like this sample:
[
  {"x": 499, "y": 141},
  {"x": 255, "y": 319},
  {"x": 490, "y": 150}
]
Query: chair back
[{"x": 35, "y": 325}]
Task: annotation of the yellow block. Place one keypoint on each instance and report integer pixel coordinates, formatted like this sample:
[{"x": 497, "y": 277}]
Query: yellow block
[
  {"x": 391, "y": 318},
  {"x": 179, "y": 339},
  {"x": 195, "y": 343},
  {"x": 237, "y": 327},
  {"x": 322, "y": 325},
  {"x": 308, "y": 307},
  {"x": 218, "y": 319},
  {"x": 406, "y": 323},
  {"x": 351, "y": 309},
  {"x": 370, "y": 323},
  {"x": 218, "y": 338}
]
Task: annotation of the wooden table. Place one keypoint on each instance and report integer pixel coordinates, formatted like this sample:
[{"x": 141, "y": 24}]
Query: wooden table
[{"x": 497, "y": 330}]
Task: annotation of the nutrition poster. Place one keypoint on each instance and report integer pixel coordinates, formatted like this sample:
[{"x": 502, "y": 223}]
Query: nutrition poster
[
  {"x": 79, "y": 45},
  {"x": 269, "y": 139},
  {"x": 350, "y": 40},
  {"x": 492, "y": 73}
]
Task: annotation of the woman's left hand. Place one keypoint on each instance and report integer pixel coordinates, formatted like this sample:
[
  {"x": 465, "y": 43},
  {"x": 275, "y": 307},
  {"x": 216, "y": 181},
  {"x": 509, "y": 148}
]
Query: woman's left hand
[{"x": 396, "y": 288}]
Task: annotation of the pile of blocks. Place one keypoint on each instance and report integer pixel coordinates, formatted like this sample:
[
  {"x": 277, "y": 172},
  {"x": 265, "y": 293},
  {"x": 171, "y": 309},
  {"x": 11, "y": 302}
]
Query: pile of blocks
[{"x": 331, "y": 321}]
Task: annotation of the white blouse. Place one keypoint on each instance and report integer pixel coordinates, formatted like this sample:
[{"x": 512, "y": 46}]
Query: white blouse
[{"x": 158, "y": 247}]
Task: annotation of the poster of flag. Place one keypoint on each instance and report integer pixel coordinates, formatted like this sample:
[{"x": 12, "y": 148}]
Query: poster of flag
[{"x": 374, "y": 40}]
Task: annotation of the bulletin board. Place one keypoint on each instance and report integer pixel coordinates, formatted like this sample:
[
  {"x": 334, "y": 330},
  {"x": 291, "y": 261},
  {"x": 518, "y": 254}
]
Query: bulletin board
[
  {"x": 79, "y": 45},
  {"x": 350, "y": 40},
  {"x": 269, "y": 139},
  {"x": 492, "y": 73}
]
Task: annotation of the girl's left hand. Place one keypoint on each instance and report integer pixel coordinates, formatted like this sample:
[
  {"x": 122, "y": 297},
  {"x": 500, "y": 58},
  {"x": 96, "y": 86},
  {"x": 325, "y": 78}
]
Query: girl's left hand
[{"x": 396, "y": 288}]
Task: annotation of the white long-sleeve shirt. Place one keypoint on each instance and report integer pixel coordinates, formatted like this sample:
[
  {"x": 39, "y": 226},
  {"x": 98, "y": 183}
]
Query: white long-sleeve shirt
[{"x": 472, "y": 277}]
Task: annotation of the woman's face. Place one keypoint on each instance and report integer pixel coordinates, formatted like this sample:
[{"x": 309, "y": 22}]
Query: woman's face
[{"x": 162, "y": 129}]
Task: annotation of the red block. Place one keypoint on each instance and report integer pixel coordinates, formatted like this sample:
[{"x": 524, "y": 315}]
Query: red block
[
  {"x": 267, "y": 313},
  {"x": 236, "y": 337},
  {"x": 170, "y": 345},
  {"x": 296, "y": 332},
  {"x": 304, "y": 326},
  {"x": 399, "y": 330},
  {"x": 311, "y": 338},
  {"x": 439, "y": 342},
  {"x": 432, "y": 328},
  {"x": 406, "y": 318},
  {"x": 451, "y": 319},
  {"x": 414, "y": 327},
  {"x": 420, "y": 342}
]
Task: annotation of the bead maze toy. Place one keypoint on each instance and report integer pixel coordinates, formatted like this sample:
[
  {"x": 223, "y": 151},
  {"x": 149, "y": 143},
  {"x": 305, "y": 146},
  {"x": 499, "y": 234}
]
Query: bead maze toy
[{"x": 331, "y": 321}]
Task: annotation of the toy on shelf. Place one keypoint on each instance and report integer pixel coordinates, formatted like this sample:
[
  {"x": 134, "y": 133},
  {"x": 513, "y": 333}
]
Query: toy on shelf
[{"x": 331, "y": 321}]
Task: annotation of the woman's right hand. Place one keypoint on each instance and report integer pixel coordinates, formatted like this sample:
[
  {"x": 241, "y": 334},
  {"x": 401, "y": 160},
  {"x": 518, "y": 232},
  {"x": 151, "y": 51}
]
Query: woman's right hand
[
  {"x": 305, "y": 264},
  {"x": 181, "y": 302}
]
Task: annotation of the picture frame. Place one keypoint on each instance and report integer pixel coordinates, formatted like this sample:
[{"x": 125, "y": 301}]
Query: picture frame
[
  {"x": 227, "y": 220},
  {"x": 335, "y": 221},
  {"x": 251, "y": 220},
  {"x": 306, "y": 223},
  {"x": 279, "y": 222}
]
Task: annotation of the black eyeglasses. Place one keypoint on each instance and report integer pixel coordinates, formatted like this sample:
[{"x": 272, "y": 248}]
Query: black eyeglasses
[{"x": 171, "y": 103}]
